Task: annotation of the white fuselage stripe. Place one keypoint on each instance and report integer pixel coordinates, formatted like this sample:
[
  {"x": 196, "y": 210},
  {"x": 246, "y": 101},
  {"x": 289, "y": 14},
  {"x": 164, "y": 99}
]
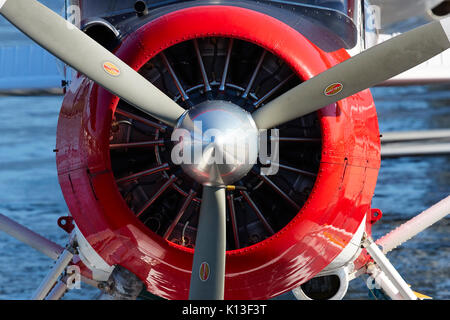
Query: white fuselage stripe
[{"x": 2, "y": 2}]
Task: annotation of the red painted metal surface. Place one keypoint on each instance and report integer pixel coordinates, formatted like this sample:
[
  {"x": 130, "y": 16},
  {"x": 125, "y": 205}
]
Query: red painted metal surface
[{"x": 340, "y": 199}]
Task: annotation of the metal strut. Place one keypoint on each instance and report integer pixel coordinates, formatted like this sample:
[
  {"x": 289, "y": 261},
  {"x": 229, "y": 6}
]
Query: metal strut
[
  {"x": 52, "y": 277},
  {"x": 385, "y": 273}
]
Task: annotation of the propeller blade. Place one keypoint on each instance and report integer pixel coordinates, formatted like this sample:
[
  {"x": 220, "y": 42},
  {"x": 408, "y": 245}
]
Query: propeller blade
[
  {"x": 375, "y": 65},
  {"x": 208, "y": 268},
  {"x": 78, "y": 50}
]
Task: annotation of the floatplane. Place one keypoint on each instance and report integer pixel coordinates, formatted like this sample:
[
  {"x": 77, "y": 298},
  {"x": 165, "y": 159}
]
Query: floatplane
[{"x": 298, "y": 219}]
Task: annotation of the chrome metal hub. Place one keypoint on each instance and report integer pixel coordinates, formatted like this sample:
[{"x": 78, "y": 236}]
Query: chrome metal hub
[{"x": 217, "y": 143}]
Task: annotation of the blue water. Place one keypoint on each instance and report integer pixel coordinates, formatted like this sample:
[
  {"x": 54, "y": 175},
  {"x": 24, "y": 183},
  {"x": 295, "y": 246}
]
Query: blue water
[{"x": 30, "y": 194}]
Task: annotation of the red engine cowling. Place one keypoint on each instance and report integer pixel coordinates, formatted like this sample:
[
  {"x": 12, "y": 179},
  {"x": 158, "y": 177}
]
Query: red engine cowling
[{"x": 300, "y": 247}]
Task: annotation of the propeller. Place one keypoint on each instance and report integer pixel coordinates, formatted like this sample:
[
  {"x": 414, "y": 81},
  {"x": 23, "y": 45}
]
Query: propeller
[
  {"x": 208, "y": 268},
  {"x": 362, "y": 71},
  {"x": 78, "y": 50},
  {"x": 375, "y": 65}
]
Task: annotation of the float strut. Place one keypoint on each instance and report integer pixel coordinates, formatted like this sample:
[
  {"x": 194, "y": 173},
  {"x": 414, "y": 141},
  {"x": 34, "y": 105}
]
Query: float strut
[
  {"x": 49, "y": 281},
  {"x": 402, "y": 289}
]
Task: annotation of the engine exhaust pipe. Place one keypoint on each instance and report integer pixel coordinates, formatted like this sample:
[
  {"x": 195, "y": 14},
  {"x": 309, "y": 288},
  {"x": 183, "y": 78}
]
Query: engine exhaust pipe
[{"x": 140, "y": 7}]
